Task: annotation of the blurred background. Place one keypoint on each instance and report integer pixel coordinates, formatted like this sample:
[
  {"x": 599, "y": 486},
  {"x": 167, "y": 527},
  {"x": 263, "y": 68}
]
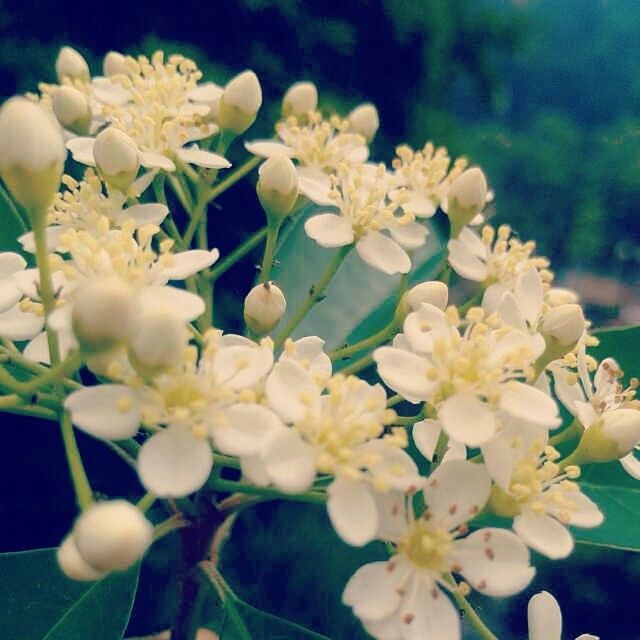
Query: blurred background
[{"x": 543, "y": 94}]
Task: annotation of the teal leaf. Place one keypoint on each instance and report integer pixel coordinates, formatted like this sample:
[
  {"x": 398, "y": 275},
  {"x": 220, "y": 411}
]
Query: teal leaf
[{"x": 40, "y": 603}]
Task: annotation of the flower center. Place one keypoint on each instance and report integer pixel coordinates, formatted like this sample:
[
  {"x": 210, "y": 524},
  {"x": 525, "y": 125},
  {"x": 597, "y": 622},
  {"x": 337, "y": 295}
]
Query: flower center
[{"x": 427, "y": 546}]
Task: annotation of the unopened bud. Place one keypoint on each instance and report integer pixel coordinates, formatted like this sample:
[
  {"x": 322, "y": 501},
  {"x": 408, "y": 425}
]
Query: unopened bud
[
  {"x": 32, "y": 153},
  {"x": 264, "y": 306},
  {"x": 364, "y": 120},
  {"x": 71, "y": 64},
  {"x": 611, "y": 437},
  {"x": 114, "y": 63},
  {"x": 159, "y": 342},
  {"x": 240, "y": 102},
  {"x": 112, "y": 535},
  {"x": 433, "y": 292},
  {"x": 300, "y": 99},
  {"x": 104, "y": 314},
  {"x": 556, "y": 296},
  {"x": 277, "y": 186},
  {"x": 73, "y": 565},
  {"x": 565, "y": 324},
  {"x": 72, "y": 109},
  {"x": 117, "y": 158},
  {"x": 466, "y": 198}
]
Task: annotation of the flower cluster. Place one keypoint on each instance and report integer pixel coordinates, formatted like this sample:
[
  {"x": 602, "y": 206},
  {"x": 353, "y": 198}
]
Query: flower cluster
[{"x": 122, "y": 293}]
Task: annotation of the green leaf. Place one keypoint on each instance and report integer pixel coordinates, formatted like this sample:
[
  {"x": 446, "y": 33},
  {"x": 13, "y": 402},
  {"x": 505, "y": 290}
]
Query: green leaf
[
  {"x": 360, "y": 299},
  {"x": 286, "y": 561},
  {"x": 40, "y": 603}
]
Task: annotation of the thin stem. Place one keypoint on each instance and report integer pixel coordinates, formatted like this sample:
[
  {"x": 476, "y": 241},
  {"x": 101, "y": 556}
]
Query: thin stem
[
  {"x": 315, "y": 293},
  {"x": 357, "y": 365},
  {"x": 185, "y": 199},
  {"x": 169, "y": 222},
  {"x": 312, "y": 497},
  {"x": 16, "y": 358},
  {"x": 394, "y": 400},
  {"x": 120, "y": 452},
  {"x": 237, "y": 254},
  {"x": 84, "y": 494},
  {"x": 365, "y": 343},
  {"x": 147, "y": 500},
  {"x": 574, "y": 430},
  {"x": 46, "y": 286},
  {"x": 269, "y": 253},
  {"x": 472, "y": 616}
]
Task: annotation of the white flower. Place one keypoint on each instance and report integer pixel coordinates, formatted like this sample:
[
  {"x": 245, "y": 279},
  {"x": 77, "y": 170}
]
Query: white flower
[
  {"x": 426, "y": 175},
  {"x": 545, "y": 619},
  {"x": 403, "y": 597},
  {"x": 366, "y": 208},
  {"x": 469, "y": 372},
  {"x": 159, "y": 114}
]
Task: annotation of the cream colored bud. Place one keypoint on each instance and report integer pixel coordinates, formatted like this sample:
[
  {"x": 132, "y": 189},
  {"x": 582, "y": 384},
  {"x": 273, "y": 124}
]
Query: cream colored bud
[
  {"x": 466, "y": 198},
  {"x": 72, "y": 109},
  {"x": 364, "y": 120},
  {"x": 240, "y": 102},
  {"x": 114, "y": 63},
  {"x": 159, "y": 341},
  {"x": 73, "y": 565},
  {"x": 300, "y": 99},
  {"x": 277, "y": 186},
  {"x": 564, "y": 323},
  {"x": 117, "y": 158},
  {"x": 32, "y": 153},
  {"x": 104, "y": 314},
  {"x": 556, "y": 296},
  {"x": 112, "y": 535},
  {"x": 433, "y": 292},
  {"x": 264, "y": 306},
  {"x": 71, "y": 64},
  {"x": 611, "y": 437}
]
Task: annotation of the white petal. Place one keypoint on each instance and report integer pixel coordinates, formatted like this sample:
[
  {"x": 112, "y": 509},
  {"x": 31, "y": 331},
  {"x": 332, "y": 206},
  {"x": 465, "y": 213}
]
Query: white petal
[
  {"x": 108, "y": 92},
  {"x": 154, "y": 160},
  {"x": 10, "y": 294},
  {"x": 38, "y": 349},
  {"x": 202, "y": 158},
  {"x": 404, "y": 372},
  {"x": 187, "y": 263},
  {"x": 352, "y": 511},
  {"x": 456, "y": 491},
  {"x": 529, "y": 294},
  {"x": 241, "y": 366},
  {"x": 567, "y": 393},
  {"x": 268, "y": 148},
  {"x": 583, "y": 512},
  {"x": 510, "y": 312},
  {"x": 254, "y": 471},
  {"x": 425, "y": 436},
  {"x": 205, "y": 92},
  {"x": 316, "y": 185},
  {"x": 173, "y": 463},
  {"x": 467, "y": 419},
  {"x": 409, "y": 236},
  {"x": 392, "y": 515},
  {"x": 149, "y": 213},
  {"x": 631, "y": 465},
  {"x": 52, "y": 233},
  {"x": 309, "y": 352},
  {"x": 20, "y": 325},
  {"x": 526, "y": 402},
  {"x": 383, "y": 253},
  {"x": 372, "y": 591},
  {"x": 246, "y": 427},
  {"x": 329, "y": 230},
  {"x": 499, "y": 459},
  {"x": 494, "y": 561},
  {"x": 544, "y": 534},
  {"x": 11, "y": 262},
  {"x": 421, "y": 206},
  {"x": 464, "y": 263},
  {"x": 418, "y": 327},
  {"x": 82, "y": 150},
  {"x": 107, "y": 411},
  {"x": 544, "y": 617},
  {"x": 289, "y": 461},
  {"x": 186, "y": 305},
  {"x": 291, "y": 390}
]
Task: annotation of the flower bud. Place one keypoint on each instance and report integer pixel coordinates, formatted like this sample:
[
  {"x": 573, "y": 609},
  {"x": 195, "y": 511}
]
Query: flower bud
[
  {"x": 117, "y": 158},
  {"x": 114, "y": 63},
  {"x": 104, "y": 314},
  {"x": 240, "y": 102},
  {"x": 32, "y": 153},
  {"x": 277, "y": 187},
  {"x": 466, "y": 198},
  {"x": 556, "y": 296},
  {"x": 112, "y": 535},
  {"x": 364, "y": 120},
  {"x": 565, "y": 324},
  {"x": 264, "y": 306},
  {"x": 433, "y": 292},
  {"x": 159, "y": 341},
  {"x": 72, "y": 109},
  {"x": 71, "y": 64},
  {"x": 300, "y": 99},
  {"x": 611, "y": 437},
  {"x": 73, "y": 565}
]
